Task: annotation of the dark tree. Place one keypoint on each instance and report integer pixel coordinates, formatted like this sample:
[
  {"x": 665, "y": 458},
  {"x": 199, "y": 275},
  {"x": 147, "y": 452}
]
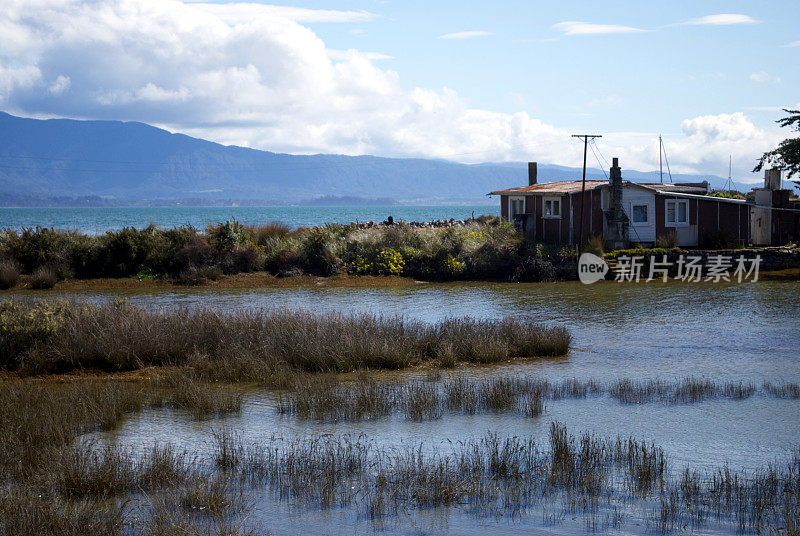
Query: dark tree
[{"x": 787, "y": 155}]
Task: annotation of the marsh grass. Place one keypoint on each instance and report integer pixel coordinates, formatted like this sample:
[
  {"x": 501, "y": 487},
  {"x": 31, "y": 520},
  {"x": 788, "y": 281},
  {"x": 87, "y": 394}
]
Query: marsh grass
[
  {"x": 421, "y": 401},
  {"x": 685, "y": 391},
  {"x": 203, "y": 400},
  {"x": 86, "y": 485},
  {"x": 783, "y": 390},
  {"x": 126, "y": 338},
  {"x": 325, "y": 398},
  {"x": 330, "y": 398}
]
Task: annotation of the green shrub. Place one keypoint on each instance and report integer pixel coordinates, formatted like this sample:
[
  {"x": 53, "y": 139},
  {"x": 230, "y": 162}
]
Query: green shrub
[
  {"x": 224, "y": 236},
  {"x": 174, "y": 250},
  {"x": 35, "y": 247},
  {"x": 24, "y": 325},
  {"x": 320, "y": 252},
  {"x": 124, "y": 252}
]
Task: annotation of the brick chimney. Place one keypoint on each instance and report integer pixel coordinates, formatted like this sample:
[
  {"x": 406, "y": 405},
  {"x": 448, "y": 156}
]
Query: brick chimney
[
  {"x": 616, "y": 224},
  {"x": 772, "y": 179},
  {"x": 531, "y": 173},
  {"x": 615, "y": 178}
]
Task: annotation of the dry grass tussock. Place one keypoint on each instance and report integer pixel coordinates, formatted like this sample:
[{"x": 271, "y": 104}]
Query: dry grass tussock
[{"x": 257, "y": 345}]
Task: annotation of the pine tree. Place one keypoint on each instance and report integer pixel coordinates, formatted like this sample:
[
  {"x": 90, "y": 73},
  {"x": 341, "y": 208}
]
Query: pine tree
[{"x": 787, "y": 155}]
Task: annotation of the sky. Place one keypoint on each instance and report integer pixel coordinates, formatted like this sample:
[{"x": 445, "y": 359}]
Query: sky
[{"x": 469, "y": 81}]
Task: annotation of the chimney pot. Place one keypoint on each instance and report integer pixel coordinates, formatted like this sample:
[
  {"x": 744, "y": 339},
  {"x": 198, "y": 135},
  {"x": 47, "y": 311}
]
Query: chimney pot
[
  {"x": 615, "y": 162},
  {"x": 772, "y": 179},
  {"x": 531, "y": 173}
]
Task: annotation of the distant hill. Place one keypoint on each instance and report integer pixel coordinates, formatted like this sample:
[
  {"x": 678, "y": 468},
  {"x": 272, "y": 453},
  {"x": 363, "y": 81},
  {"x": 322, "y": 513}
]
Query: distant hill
[{"x": 129, "y": 162}]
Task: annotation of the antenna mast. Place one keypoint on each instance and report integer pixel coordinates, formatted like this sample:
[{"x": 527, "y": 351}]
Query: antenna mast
[{"x": 660, "y": 163}]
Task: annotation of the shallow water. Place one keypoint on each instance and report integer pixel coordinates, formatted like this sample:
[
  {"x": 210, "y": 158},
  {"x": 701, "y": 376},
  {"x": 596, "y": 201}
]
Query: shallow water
[
  {"x": 97, "y": 220},
  {"x": 737, "y": 332},
  {"x": 747, "y": 331}
]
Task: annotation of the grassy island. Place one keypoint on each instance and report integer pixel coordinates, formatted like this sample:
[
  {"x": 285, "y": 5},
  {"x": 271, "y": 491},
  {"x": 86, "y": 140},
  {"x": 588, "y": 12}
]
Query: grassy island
[{"x": 480, "y": 249}]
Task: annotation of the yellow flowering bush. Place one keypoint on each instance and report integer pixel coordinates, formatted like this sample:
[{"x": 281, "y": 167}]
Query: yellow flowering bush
[{"x": 387, "y": 261}]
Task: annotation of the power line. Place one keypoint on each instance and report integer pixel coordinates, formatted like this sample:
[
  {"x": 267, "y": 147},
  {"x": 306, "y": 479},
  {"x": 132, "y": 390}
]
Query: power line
[
  {"x": 586, "y": 138},
  {"x": 595, "y": 151}
]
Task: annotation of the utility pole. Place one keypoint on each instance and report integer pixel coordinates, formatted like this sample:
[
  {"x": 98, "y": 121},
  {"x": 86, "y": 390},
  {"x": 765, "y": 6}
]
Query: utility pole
[
  {"x": 660, "y": 164},
  {"x": 583, "y": 183}
]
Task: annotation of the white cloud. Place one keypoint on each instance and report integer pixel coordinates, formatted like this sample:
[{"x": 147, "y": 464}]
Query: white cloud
[
  {"x": 792, "y": 44},
  {"x": 610, "y": 100},
  {"x": 469, "y": 34},
  {"x": 763, "y": 77},
  {"x": 60, "y": 85},
  {"x": 705, "y": 145},
  {"x": 268, "y": 82},
  {"x": 239, "y": 13},
  {"x": 587, "y": 28},
  {"x": 343, "y": 55},
  {"x": 722, "y": 19}
]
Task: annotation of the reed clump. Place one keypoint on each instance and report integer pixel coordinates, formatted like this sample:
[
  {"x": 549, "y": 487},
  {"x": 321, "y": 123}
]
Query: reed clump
[
  {"x": 324, "y": 398},
  {"x": 783, "y": 390},
  {"x": 203, "y": 400},
  {"x": 9, "y": 274},
  {"x": 685, "y": 391},
  {"x": 43, "y": 277},
  {"x": 52, "y": 337}
]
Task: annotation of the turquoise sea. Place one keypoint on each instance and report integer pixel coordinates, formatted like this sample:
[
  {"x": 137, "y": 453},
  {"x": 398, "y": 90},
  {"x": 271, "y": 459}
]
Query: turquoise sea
[{"x": 98, "y": 220}]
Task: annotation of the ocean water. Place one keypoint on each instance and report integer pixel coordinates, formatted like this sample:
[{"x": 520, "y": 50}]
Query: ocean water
[{"x": 96, "y": 220}]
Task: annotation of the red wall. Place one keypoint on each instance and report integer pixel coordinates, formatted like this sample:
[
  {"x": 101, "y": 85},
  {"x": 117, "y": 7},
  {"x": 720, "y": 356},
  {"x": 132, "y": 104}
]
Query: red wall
[
  {"x": 719, "y": 217},
  {"x": 592, "y": 216}
]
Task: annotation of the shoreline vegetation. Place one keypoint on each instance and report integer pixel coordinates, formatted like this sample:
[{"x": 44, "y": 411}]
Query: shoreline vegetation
[
  {"x": 232, "y": 255},
  {"x": 481, "y": 249}
]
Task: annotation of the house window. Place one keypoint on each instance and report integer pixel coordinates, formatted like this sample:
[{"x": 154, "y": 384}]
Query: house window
[
  {"x": 552, "y": 207},
  {"x": 516, "y": 207},
  {"x": 677, "y": 212},
  {"x": 639, "y": 214}
]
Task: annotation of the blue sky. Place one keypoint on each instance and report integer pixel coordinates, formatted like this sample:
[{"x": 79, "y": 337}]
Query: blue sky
[
  {"x": 469, "y": 81},
  {"x": 639, "y": 82}
]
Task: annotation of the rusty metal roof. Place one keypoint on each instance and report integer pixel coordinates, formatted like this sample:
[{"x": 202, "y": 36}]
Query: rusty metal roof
[
  {"x": 569, "y": 187},
  {"x": 557, "y": 187}
]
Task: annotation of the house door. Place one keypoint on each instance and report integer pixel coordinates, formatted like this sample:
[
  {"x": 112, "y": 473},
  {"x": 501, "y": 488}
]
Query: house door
[{"x": 516, "y": 212}]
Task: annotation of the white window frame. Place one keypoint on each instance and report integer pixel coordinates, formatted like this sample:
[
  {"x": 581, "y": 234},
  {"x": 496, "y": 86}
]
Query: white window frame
[
  {"x": 676, "y": 223},
  {"x": 560, "y": 207},
  {"x": 647, "y": 209},
  {"x": 511, "y": 200}
]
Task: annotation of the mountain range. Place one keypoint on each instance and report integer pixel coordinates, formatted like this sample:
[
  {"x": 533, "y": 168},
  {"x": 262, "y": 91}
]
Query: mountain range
[{"x": 115, "y": 162}]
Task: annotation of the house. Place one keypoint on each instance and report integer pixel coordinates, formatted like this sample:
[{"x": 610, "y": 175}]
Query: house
[{"x": 624, "y": 212}]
